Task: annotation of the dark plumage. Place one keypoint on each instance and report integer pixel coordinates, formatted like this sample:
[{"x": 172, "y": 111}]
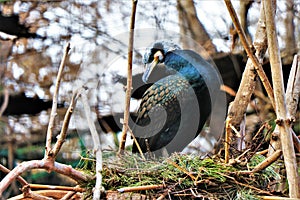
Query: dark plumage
[{"x": 176, "y": 106}]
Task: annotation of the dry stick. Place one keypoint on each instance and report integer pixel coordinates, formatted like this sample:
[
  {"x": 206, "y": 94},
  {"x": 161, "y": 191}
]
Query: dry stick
[
  {"x": 137, "y": 144},
  {"x": 129, "y": 78},
  {"x": 238, "y": 107},
  {"x": 292, "y": 95},
  {"x": 267, "y": 162},
  {"x": 55, "y": 187},
  {"x": 227, "y": 138},
  {"x": 182, "y": 169},
  {"x": 70, "y": 194},
  {"x": 63, "y": 133},
  {"x": 96, "y": 142},
  {"x": 258, "y": 67},
  {"x": 245, "y": 185},
  {"x": 163, "y": 195},
  {"x": 293, "y": 88},
  {"x": 264, "y": 164},
  {"x": 140, "y": 188},
  {"x": 20, "y": 179},
  {"x": 42, "y": 164},
  {"x": 292, "y": 99},
  {"x": 296, "y": 140},
  {"x": 281, "y": 110},
  {"x": 5, "y": 102},
  {"x": 53, "y": 113},
  {"x": 27, "y": 193}
]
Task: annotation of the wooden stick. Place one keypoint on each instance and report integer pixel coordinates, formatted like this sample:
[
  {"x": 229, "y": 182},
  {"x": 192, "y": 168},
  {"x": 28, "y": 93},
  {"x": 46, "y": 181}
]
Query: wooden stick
[
  {"x": 227, "y": 139},
  {"x": 63, "y": 133},
  {"x": 293, "y": 88},
  {"x": 249, "y": 52},
  {"x": 245, "y": 185},
  {"x": 96, "y": 143},
  {"x": 53, "y": 113},
  {"x": 20, "y": 179},
  {"x": 247, "y": 86},
  {"x": 292, "y": 96},
  {"x": 267, "y": 162},
  {"x": 280, "y": 101},
  {"x": 182, "y": 169},
  {"x": 55, "y": 187},
  {"x": 5, "y": 102},
  {"x": 140, "y": 188},
  {"x": 27, "y": 193},
  {"x": 129, "y": 78},
  {"x": 42, "y": 164},
  {"x": 136, "y": 143}
]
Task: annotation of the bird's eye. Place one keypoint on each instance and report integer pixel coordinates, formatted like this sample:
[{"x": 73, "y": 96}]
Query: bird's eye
[{"x": 158, "y": 56}]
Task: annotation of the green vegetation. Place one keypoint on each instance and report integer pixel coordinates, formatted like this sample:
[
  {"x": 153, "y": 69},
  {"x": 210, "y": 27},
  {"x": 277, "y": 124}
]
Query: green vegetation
[{"x": 182, "y": 174}]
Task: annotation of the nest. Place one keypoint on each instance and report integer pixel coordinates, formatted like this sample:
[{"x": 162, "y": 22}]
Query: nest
[{"x": 182, "y": 177}]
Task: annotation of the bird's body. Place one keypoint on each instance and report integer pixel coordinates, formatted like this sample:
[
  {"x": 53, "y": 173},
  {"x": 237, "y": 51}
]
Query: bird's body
[{"x": 176, "y": 106}]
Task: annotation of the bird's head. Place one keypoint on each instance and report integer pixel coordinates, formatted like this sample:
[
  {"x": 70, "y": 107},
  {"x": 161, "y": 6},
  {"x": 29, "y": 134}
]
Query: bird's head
[{"x": 156, "y": 54}]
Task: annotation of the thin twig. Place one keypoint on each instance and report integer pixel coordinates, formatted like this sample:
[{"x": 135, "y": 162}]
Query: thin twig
[
  {"x": 129, "y": 78},
  {"x": 249, "y": 52},
  {"x": 247, "y": 86},
  {"x": 182, "y": 169},
  {"x": 42, "y": 164},
  {"x": 248, "y": 81},
  {"x": 53, "y": 113},
  {"x": 21, "y": 180},
  {"x": 281, "y": 109},
  {"x": 5, "y": 102},
  {"x": 293, "y": 88},
  {"x": 55, "y": 187},
  {"x": 292, "y": 96},
  {"x": 27, "y": 193},
  {"x": 227, "y": 139},
  {"x": 296, "y": 140},
  {"x": 245, "y": 185},
  {"x": 140, "y": 188},
  {"x": 136, "y": 143},
  {"x": 68, "y": 195},
  {"x": 63, "y": 133},
  {"x": 267, "y": 162},
  {"x": 96, "y": 142}
]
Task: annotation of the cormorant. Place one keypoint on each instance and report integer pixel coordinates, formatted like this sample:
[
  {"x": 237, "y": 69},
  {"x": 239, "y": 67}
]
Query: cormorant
[{"x": 177, "y": 106}]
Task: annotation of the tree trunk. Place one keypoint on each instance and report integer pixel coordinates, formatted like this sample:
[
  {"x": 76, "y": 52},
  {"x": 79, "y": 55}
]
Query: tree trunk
[
  {"x": 191, "y": 26},
  {"x": 290, "y": 41}
]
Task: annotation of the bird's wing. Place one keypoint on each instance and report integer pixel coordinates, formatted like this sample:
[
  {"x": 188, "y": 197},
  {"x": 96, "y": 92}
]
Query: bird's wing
[{"x": 160, "y": 111}]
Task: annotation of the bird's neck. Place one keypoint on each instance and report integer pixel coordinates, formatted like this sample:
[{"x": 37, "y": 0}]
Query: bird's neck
[
  {"x": 183, "y": 67},
  {"x": 190, "y": 73}
]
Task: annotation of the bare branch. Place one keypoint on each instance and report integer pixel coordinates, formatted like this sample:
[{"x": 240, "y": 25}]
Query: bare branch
[
  {"x": 281, "y": 109},
  {"x": 53, "y": 114},
  {"x": 293, "y": 88},
  {"x": 129, "y": 77},
  {"x": 42, "y": 164},
  {"x": 267, "y": 162},
  {"x": 248, "y": 81},
  {"x": 97, "y": 144},
  {"x": 5, "y": 102},
  {"x": 63, "y": 133},
  {"x": 21, "y": 180}
]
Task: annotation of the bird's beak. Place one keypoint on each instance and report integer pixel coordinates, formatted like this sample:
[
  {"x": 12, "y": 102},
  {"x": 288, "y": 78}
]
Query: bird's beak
[{"x": 149, "y": 67}]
